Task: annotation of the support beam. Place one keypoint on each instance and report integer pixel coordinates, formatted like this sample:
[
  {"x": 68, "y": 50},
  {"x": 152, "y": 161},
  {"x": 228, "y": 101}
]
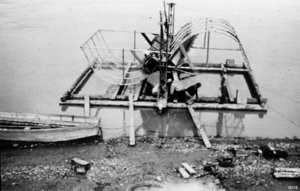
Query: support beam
[
  {"x": 79, "y": 82},
  {"x": 123, "y": 81},
  {"x": 200, "y": 130},
  {"x": 146, "y": 38},
  {"x": 131, "y": 126},
  {"x": 137, "y": 91},
  {"x": 185, "y": 54},
  {"x": 136, "y": 57},
  {"x": 152, "y": 104},
  {"x": 87, "y": 112}
]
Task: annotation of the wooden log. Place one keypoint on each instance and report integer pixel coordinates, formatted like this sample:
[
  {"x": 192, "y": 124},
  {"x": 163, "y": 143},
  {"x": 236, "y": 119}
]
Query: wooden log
[
  {"x": 183, "y": 172},
  {"x": 217, "y": 106},
  {"x": 211, "y": 69},
  {"x": 241, "y": 97},
  {"x": 253, "y": 86},
  {"x": 79, "y": 83},
  {"x": 87, "y": 111},
  {"x": 189, "y": 169},
  {"x": 228, "y": 88},
  {"x": 200, "y": 130},
  {"x": 131, "y": 126}
]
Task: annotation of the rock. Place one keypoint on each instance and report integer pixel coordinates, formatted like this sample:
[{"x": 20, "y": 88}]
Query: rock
[
  {"x": 225, "y": 162},
  {"x": 159, "y": 179},
  {"x": 77, "y": 162},
  {"x": 269, "y": 152},
  {"x": 15, "y": 145}
]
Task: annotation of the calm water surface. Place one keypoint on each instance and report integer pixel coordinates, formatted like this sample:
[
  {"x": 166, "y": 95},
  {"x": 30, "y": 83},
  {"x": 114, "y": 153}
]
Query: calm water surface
[{"x": 40, "y": 59}]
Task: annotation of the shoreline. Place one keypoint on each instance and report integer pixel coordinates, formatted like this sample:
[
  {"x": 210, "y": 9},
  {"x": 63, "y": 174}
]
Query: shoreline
[{"x": 117, "y": 166}]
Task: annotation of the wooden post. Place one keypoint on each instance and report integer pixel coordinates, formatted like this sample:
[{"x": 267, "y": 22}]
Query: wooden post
[
  {"x": 87, "y": 105},
  {"x": 131, "y": 125},
  {"x": 200, "y": 130},
  {"x": 207, "y": 50}
]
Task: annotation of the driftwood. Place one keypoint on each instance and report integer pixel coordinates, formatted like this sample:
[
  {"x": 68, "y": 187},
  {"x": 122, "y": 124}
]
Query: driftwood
[{"x": 287, "y": 173}]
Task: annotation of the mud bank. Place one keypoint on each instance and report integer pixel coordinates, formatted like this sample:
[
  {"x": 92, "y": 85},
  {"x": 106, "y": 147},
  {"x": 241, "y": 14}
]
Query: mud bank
[{"x": 116, "y": 166}]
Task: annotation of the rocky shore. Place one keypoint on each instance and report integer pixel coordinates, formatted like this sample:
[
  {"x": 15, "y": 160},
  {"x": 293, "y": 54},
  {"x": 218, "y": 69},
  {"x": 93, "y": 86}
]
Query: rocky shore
[{"x": 231, "y": 164}]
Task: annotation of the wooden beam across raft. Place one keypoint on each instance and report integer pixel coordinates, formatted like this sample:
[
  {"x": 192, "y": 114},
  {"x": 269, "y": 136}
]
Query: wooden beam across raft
[
  {"x": 152, "y": 104},
  {"x": 79, "y": 82}
]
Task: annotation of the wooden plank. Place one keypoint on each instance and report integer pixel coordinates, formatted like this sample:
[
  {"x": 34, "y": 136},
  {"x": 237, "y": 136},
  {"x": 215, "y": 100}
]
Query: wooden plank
[
  {"x": 253, "y": 86},
  {"x": 211, "y": 69},
  {"x": 241, "y": 97},
  {"x": 229, "y": 89},
  {"x": 79, "y": 161},
  {"x": 187, "y": 167},
  {"x": 87, "y": 111},
  {"x": 284, "y": 169},
  {"x": 79, "y": 82},
  {"x": 121, "y": 89},
  {"x": 182, "y": 49},
  {"x": 136, "y": 57},
  {"x": 131, "y": 126},
  {"x": 183, "y": 172},
  {"x": 111, "y": 103},
  {"x": 200, "y": 130}
]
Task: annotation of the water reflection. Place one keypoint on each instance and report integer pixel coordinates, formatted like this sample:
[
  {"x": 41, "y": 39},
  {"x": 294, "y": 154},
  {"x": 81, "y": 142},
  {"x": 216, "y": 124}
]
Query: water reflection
[
  {"x": 178, "y": 123},
  {"x": 115, "y": 122}
]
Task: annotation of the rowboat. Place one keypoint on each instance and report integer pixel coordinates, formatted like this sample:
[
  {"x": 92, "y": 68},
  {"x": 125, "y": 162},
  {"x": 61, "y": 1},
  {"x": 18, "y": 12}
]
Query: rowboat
[{"x": 46, "y": 128}]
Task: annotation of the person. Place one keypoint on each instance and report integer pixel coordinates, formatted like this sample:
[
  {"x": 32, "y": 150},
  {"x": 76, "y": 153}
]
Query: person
[
  {"x": 191, "y": 93},
  {"x": 176, "y": 90},
  {"x": 179, "y": 93}
]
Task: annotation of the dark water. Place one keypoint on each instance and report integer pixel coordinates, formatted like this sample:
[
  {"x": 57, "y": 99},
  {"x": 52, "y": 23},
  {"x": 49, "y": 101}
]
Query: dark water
[{"x": 40, "y": 59}]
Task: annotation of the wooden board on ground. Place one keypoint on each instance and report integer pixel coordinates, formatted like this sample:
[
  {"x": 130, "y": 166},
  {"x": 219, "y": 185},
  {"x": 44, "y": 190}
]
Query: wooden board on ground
[
  {"x": 190, "y": 170},
  {"x": 200, "y": 130},
  {"x": 287, "y": 172},
  {"x": 183, "y": 172}
]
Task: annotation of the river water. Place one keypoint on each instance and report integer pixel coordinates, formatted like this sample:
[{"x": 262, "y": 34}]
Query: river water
[{"x": 40, "y": 59}]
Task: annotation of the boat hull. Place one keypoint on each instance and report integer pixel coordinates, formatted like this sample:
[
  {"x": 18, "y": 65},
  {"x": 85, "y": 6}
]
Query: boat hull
[{"x": 46, "y": 128}]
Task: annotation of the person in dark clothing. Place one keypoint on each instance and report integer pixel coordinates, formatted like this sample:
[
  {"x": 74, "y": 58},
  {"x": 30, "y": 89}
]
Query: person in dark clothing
[
  {"x": 191, "y": 93},
  {"x": 188, "y": 95}
]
